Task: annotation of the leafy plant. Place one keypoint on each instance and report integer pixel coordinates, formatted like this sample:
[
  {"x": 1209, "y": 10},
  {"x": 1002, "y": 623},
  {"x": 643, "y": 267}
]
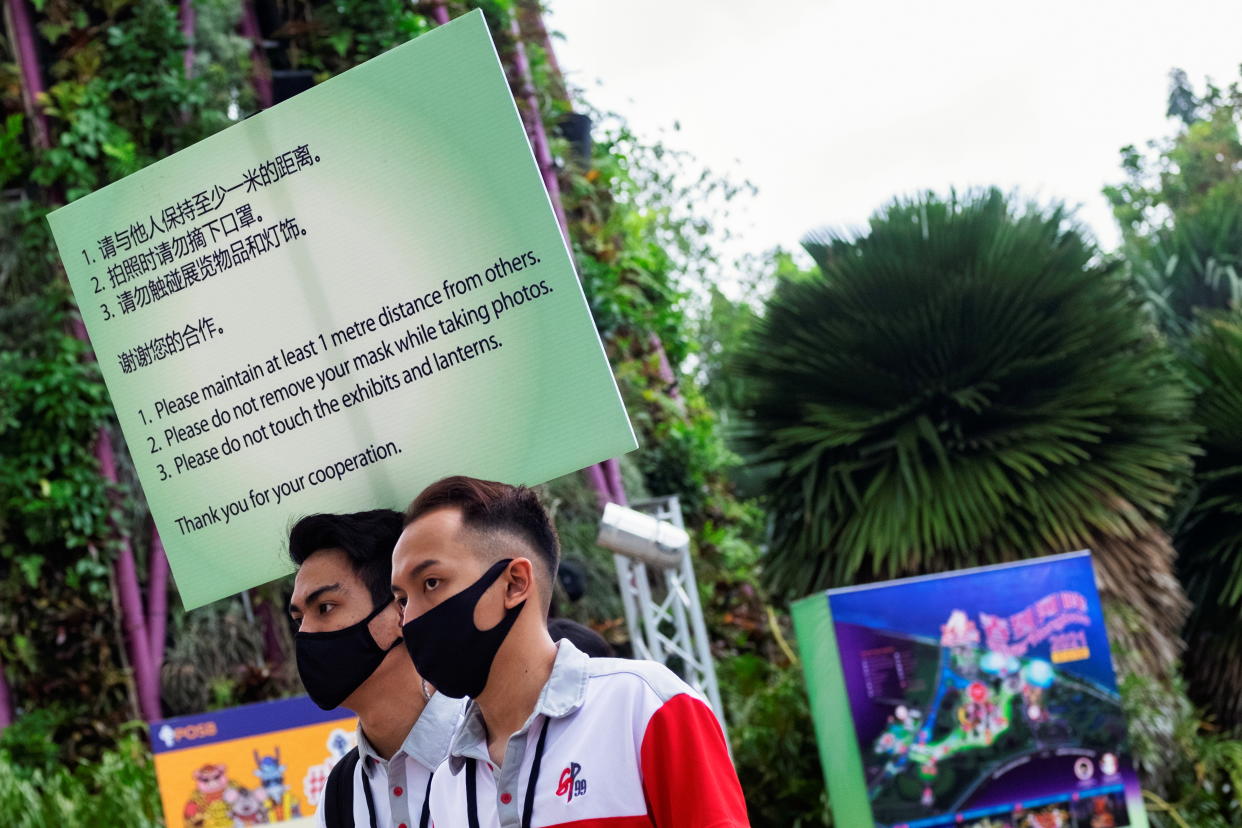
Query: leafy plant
[
  {"x": 329, "y": 38},
  {"x": 1178, "y": 207},
  {"x": 116, "y": 790},
  {"x": 774, "y": 744},
  {"x": 1209, "y": 538},
  {"x": 1182, "y": 228},
  {"x": 1195, "y": 771},
  {"x": 965, "y": 383}
]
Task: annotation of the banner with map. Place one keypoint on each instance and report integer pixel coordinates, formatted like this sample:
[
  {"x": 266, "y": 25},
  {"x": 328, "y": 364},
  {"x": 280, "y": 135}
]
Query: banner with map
[{"x": 983, "y": 698}]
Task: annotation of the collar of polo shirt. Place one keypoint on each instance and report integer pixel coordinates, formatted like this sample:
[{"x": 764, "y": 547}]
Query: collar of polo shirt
[
  {"x": 427, "y": 742},
  {"x": 563, "y": 693}
]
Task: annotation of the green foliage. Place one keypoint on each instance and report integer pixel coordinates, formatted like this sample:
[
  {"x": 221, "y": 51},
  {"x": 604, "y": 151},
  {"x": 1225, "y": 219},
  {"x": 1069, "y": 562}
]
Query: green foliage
[
  {"x": 965, "y": 383},
  {"x": 725, "y": 322},
  {"x": 328, "y": 38},
  {"x": 1179, "y": 207},
  {"x": 774, "y": 744},
  {"x": 51, "y": 493},
  {"x": 37, "y": 790},
  {"x": 13, "y": 155},
  {"x": 629, "y": 276},
  {"x": 1209, "y": 538},
  {"x": 55, "y": 605},
  {"x": 221, "y": 65},
  {"x": 1198, "y": 774},
  {"x": 217, "y": 660},
  {"x": 119, "y": 97},
  {"x": 1182, "y": 225}
]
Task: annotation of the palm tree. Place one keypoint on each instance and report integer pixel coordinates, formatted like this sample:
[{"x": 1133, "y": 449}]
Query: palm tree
[
  {"x": 967, "y": 382},
  {"x": 1209, "y": 538}
]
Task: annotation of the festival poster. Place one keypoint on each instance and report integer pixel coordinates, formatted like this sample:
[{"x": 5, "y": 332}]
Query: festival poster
[
  {"x": 982, "y": 698},
  {"x": 334, "y": 303},
  {"x": 261, "y": 764}
]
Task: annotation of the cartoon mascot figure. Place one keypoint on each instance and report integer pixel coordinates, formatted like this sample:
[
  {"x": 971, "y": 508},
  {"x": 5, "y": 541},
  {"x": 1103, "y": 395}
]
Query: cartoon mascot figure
[
  {"x": 207, "y": 807},
  {"x": 281, "y": 803}
]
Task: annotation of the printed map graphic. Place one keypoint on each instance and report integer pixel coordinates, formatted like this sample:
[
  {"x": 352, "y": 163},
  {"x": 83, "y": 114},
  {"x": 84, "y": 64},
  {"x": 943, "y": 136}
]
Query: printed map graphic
[{"x": 963, "y": 716}]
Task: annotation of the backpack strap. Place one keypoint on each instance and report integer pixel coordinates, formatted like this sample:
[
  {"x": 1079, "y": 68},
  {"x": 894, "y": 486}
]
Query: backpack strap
[{"x": 338, "y": 792}]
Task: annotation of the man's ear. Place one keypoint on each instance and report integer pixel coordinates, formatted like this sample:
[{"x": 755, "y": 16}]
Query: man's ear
[{"x": 519, "y": 582}]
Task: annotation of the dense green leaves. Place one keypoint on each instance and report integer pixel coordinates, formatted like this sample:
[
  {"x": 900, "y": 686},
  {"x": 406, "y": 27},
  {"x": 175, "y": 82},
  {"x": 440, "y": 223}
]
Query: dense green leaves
[
  {"x": 51, "y": 492},
  {"x": 37, "y": 790},
  {"x": 1209, "y": 538},
  {"x": 774, "y": 744},
  {"x": 1178, "y": 208},
  {"x": 1180, "y": 211},
  {"x": 965, "y": 383}
]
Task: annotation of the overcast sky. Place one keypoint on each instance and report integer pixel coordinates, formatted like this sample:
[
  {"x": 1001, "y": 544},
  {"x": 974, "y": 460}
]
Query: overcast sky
[{"x": 831, "y": 108}]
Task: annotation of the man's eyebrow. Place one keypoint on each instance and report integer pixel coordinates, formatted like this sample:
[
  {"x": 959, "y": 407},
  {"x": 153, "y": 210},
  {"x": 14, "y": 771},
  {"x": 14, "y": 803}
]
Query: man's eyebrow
[
  {"x": 422, "y": 566},
  {"x": 310, "y": 599}
]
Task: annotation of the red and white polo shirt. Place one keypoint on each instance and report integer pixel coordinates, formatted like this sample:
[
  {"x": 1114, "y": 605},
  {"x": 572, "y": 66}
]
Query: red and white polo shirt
[{"x": 611, "y": 744}]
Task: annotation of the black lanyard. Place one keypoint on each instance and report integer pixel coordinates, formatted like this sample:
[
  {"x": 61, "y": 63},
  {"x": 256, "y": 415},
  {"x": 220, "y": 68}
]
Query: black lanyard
[
  {"x": 366, "y": 792},
  {"x": 423, "y": 821},
  {"x": 472, "y": 796}
]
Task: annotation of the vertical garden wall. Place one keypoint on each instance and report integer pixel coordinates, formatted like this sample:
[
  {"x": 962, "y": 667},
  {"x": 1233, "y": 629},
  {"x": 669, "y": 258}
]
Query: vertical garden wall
[{"x": 91, "y": 630}]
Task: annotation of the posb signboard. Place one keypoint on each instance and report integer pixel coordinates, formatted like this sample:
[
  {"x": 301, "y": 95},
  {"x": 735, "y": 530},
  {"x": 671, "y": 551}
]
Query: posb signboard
[{"x": 262, "y": 764}]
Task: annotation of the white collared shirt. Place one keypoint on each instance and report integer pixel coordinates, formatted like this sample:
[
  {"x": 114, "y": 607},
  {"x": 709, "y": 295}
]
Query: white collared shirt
[{"x": 399, "y": 785}]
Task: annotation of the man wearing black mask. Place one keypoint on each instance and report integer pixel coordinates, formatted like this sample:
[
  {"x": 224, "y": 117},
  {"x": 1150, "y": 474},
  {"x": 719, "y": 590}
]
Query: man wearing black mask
[
  {"x": 349, "y": 655},
  {"x": 551, "y": 737}
]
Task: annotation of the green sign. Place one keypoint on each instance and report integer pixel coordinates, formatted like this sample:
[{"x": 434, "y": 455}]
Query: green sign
[{"x": 336, "y": 302}]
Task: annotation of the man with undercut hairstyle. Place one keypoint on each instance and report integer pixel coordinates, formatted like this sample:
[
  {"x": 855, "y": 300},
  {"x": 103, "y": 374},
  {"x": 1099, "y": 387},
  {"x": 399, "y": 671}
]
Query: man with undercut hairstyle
[
  {"x": 550, "y": 737},
  {"x": 349, "y": 655}
]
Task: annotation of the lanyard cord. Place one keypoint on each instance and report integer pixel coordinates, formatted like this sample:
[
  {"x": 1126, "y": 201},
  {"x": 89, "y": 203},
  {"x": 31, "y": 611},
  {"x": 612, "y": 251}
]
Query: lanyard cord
[
  {"x": 472, "y": 799},
  {"x": 366, "y": 791},
  {"x": 425, "y": 819},
  {"x": 472, "y": 796},
  {"x": 534, "y": 776}
]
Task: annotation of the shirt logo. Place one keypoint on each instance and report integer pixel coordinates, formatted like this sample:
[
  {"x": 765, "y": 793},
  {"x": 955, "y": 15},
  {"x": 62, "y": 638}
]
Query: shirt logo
[{"x": 570, "y": 785}]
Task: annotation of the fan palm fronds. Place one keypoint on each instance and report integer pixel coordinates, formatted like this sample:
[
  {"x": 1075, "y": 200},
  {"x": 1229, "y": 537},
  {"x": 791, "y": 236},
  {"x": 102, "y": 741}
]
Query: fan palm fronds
[
  {"x": 967, "y": 383},
  {"x": 1210, "y": 536}
]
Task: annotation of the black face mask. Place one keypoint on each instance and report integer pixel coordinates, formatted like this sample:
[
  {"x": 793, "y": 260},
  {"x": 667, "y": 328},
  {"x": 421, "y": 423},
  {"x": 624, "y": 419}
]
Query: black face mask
[
  {"x": 448, "y": 649},
  {"x": 334, "y": 664}
]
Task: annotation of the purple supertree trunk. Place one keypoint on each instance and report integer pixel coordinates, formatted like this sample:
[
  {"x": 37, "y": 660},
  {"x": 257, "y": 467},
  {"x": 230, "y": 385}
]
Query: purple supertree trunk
[
  {"x": 157, "y": 604},
  {"x": 146, "y": 677},
  {"x": 604, "y": 478},
  {"x": 261, "y": 73},
  {"x": 188, "y": 21},
  {"x": 32, "y": 75},
  {"x": 534, "y": 128}
]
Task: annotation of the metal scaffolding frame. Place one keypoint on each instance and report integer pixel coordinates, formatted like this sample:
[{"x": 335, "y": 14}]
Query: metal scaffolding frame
[{"x": 669, "y": 629}]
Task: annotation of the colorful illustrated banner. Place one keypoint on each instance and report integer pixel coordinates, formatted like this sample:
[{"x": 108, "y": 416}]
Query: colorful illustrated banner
[
  {"x": 262, "y": 764},
  {"x": 335, "y": 302},
  {"x": 982, "y": 698}
]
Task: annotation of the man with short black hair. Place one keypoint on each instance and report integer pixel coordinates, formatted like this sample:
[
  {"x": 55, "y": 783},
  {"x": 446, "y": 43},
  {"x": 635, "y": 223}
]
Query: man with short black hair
[
  {"x": 349, "y": 655},
  {"x": 550, "y": 737}
]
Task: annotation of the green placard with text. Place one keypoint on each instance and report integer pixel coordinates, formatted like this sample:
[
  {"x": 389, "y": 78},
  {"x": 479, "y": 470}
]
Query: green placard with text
[{"x": 336, "y": 302}]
